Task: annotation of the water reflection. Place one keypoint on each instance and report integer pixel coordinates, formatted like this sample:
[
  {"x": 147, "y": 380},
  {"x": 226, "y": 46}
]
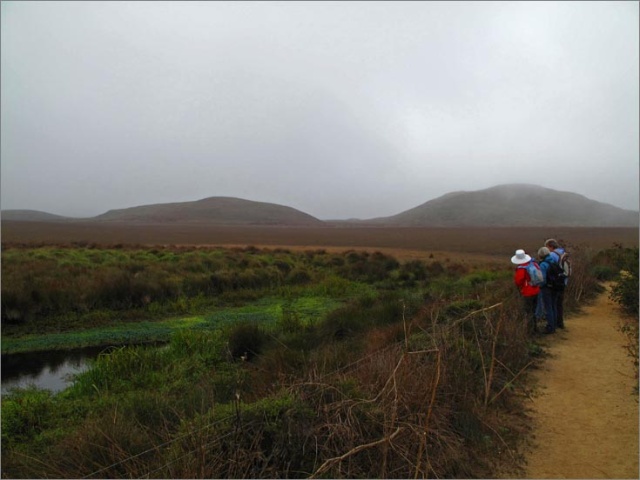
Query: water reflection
[{"x": 49, "y": 370}]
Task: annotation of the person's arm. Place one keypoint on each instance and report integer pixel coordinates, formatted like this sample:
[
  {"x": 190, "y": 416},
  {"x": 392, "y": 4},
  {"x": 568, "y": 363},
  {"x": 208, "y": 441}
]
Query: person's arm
[
  {"x": 544, "y": 266},
  {"x": 520, "y": 278}
]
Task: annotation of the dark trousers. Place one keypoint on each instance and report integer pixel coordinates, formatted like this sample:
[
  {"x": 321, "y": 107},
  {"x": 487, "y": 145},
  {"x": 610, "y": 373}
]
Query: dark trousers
[
  {"x": 549, "y": 298},
  {"x": 530, "y": 306},
  {"x": 560, "y": 308}
]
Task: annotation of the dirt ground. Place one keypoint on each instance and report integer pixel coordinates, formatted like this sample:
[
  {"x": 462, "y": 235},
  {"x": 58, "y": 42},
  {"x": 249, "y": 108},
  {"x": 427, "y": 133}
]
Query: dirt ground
[{"x": 585, "y": 413}]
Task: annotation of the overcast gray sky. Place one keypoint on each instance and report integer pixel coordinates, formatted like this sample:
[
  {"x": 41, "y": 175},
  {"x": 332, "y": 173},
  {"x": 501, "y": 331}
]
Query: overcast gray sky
[{"x": 338, "y": 109}]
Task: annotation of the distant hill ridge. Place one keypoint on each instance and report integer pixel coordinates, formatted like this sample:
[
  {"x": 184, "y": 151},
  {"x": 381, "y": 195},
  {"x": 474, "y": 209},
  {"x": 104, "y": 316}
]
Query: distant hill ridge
[
  {"x": 504, "y": 205},
  {"x": 217, "y": 210},
  {"x": 32, "y": 216},
  {"x": 511, "y": 206}
]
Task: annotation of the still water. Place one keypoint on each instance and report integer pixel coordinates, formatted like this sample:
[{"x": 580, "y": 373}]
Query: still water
[{"x": 48, "y": 370}]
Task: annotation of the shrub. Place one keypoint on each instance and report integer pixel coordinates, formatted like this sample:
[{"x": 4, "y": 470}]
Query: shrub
[
  {"x": 625, "y": 293},
  {"x": 298, "y": 276},
  {"x": 25, "y": 413},
  {"x": 203, "y": 346},
  {"x": 416, "y": 269},
  {"x": 289, "y": 320},
  {"x": 246, "y": 340},
  {"x": 625, "y": 290},
  {"x": 458, "y": 309},
  {"x": 15, "y": 307},
  {"x": 263, "y": 439},
  {"x": 361, "y": 314},
  {"x": 604, "y": 273}
]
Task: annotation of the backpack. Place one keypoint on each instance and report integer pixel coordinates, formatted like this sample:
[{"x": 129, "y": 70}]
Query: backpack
[
  {"x": 555, "y": 276},
  {"x": 535, "y": 274},
  {"x": 565, "y": 263}
]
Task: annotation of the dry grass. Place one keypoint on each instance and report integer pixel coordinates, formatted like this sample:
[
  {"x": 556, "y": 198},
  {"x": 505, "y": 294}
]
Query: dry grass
[{"x": 411, "y": 243}]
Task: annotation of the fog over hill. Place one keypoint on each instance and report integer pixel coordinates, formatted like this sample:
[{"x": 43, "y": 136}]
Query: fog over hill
[
  {"x": 504, "y": 205},
  {"x": 513, "y": 205}
]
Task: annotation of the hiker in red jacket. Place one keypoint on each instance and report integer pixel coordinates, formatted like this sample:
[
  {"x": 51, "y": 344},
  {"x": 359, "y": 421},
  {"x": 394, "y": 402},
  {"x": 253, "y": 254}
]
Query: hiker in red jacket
[{"x": 523, "y": 281}]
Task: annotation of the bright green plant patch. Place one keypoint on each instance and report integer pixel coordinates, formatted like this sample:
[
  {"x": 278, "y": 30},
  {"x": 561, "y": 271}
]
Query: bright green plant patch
[{"x": 266, "y": 312}]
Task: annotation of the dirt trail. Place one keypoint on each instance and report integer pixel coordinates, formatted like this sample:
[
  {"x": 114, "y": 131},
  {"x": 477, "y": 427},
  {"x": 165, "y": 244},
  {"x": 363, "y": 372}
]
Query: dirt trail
[{"x": 585, "y": 415}]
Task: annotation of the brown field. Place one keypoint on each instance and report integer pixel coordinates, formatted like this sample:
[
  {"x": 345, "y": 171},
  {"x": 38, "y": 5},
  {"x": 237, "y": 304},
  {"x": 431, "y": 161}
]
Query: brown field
[{"x": 488, "y": 244}]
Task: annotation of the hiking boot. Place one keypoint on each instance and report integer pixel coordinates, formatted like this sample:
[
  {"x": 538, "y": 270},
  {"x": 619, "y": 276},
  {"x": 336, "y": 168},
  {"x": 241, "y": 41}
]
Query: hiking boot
[
  {"x": 548, "y": 330},
  {"x": 561, "y": 325}
]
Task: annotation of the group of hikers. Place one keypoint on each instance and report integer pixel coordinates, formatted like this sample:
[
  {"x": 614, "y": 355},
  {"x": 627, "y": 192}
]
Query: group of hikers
[{"x": 542, "y": 284}]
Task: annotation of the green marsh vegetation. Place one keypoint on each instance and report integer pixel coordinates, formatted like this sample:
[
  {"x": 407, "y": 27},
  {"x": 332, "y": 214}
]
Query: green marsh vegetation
[
  {"x": 109, "y": 293},
  {"x": 278, "y": 365}
]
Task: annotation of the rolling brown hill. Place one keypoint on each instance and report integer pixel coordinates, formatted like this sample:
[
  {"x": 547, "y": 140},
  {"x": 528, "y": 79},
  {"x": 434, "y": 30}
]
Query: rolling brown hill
[
  {"x": 32, "y": 216},
  {"x": 512, "y": 206},
  {"x": 213, "y": 210}
]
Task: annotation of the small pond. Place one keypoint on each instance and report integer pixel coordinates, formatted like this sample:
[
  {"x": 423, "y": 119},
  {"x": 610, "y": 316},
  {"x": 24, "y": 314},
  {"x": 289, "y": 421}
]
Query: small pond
[{"x": 48, "y": 370}]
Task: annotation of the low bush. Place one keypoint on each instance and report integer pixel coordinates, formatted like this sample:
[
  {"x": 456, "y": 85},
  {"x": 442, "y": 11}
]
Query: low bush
[
  {"x": 625, "y": 293},
  {"x": 25, "y": 414},
  {"x": 625, "y": 290},
  {"x": 362, "y": 314},
  {"x": 246, "y": 340}
]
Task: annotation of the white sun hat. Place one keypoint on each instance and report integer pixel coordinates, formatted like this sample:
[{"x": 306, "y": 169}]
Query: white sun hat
[{"x": 520, "y": 257}]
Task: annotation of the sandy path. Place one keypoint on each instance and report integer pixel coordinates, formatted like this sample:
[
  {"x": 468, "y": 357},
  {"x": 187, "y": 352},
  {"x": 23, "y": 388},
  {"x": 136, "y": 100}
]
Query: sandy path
[{"x": 585, "y": 415}]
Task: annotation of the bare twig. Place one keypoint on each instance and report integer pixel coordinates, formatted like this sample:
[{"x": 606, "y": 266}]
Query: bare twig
[
  {"x": 487, "y": 390},
  {"x": 423, "y": 439},
  {"x": 510, "y": 381},
  {"x": 332, "y": 461},
  {"x": 474, "y": 313}
]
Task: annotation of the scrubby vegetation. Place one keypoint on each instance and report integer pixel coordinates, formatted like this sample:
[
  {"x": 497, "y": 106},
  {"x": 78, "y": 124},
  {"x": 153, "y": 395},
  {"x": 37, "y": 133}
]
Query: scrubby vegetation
[
  {"x": 57, "y": 289},
  {"x": 625, "y": 290},
  {"x": 620, "y": 265},
  {"x": 406, "y": 370}
]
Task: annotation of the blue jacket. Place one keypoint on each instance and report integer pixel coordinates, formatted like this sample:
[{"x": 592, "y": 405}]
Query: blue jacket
[
  {"x": 544, "y": 266},
  {"x": 556, "y": 254}
]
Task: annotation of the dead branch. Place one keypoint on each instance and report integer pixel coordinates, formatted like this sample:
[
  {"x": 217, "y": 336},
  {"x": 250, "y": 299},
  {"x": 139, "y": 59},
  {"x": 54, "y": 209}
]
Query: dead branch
[{"x": 332, "y": 461}]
